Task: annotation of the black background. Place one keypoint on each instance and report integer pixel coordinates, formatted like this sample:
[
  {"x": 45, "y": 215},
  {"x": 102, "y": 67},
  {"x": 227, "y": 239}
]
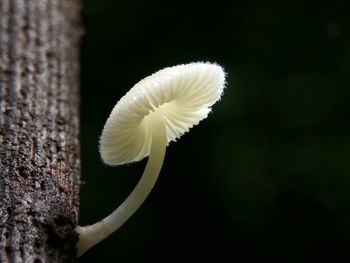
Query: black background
[{"x": 266, "y": 178}]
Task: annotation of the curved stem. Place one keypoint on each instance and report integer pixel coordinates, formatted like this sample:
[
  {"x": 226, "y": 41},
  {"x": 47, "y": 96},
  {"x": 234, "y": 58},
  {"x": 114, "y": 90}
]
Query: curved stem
[{"x": 93, "y": 234}]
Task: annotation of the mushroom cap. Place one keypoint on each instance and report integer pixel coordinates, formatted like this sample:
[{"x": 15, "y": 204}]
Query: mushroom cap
[{"x": 183, "y": 95}]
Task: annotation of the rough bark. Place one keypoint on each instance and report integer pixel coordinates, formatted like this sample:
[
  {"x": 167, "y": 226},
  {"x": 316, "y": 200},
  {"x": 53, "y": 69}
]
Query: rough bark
[{"x": 39, "y": 125}]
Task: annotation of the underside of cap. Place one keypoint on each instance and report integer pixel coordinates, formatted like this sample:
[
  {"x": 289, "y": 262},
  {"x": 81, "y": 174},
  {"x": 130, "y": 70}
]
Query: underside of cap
[{"x": 182, "y": 94}]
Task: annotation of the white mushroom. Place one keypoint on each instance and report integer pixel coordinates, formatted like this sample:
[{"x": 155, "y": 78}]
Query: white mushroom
[{"x": 157, "y": 110}]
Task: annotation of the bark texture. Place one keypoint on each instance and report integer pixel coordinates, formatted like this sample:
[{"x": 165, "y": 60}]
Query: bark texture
[{"x": 39, "y": 126}]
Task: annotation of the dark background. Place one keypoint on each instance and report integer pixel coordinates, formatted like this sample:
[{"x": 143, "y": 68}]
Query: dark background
[{"x": 266, "y": 178}]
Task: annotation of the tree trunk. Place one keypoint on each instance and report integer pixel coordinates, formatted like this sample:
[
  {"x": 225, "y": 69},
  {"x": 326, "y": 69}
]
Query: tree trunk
[{"x": 39, "y": 126}]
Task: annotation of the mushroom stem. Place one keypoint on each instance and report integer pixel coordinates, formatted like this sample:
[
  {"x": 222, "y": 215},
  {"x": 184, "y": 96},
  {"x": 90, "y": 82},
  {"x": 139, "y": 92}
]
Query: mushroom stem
[{"x": 93, "y": 234}]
